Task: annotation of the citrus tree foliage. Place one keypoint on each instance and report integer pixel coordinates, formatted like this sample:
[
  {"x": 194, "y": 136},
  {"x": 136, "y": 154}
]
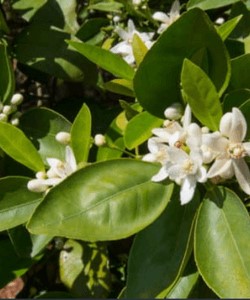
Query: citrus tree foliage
[{"x": 126, "y": 121}]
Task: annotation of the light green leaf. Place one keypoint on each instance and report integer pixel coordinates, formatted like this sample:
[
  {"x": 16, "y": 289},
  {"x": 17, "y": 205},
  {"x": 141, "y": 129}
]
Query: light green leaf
[
  {"x": 19, "y": 147},
  {"x": 139, "y": 49},
  {"x": 209, "y": 4},
  {"x": 139, "y": 129},
  {"x": 120, "y": 86},
  {"x": 17, "y": 203},
  {"x": 222, "y": 244},
  {"x": 107, "y": 6},
  {"x": 226, "y": 28},
  {"x": 81, "y": 134},
  {"x": 104, "y": 201},
  {"x": 201, "y": 95},
  {"x": 157, "y": 80},
  {"x": 107, "y": 60},
  {"x": 7, "y": 82},
  {"x": 41, "y": 126},
  {"x": 39, "y": 242},
  {"x": 167, "y": 241}
]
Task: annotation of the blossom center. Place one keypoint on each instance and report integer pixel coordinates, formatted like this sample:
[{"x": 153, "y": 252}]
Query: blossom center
[
  {"x": 188, "y": 166},
  {"x": 236, "y": 151}
]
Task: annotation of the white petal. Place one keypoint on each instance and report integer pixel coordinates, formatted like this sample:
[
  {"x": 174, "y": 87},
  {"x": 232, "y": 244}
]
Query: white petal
[
  {"x": 221, "y": 167},
  {"x": 187, "y": 117},
  {"x": 242, "y": 174},
  {"x": 161, "y": 175},
  {"x": 216, "y": 142},
  {"x": 226, "y": 124},
  {"x": 176, "y": 155},
  {"x": 131, "y": 28},
  {"x": 161, "y": 133},
  {"x": 160, "y": 16},
  {"x": 187, "y": 189},
  {"x": 176, "y": 172},
  {"x": 202, "y": 175},
  {"x": 149, "y": 157},
  {"x": 194, "y": 137},
  {"x": 239, "y": 126},
  {"x": 70, "y": 159},
  {"x": 247, "y": 148},
  {"x": 175, "y": 8},
  {"x": 37, "y": 185}
]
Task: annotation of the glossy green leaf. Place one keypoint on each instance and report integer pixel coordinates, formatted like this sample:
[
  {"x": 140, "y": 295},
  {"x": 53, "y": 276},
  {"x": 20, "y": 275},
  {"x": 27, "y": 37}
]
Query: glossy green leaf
[
  {"x": 91, "y": 28},
  {"x": 235, "y": 99},
  {"x": 201, "y": 95},
  {"x": 17, "y": 203},
  {"x": 12, "y": 265},
  {"x": 240, "y": 75},
  {"x": 7, "y": 82},
  {"x": 107, "y": 60},
  {"x": 41, "y": 126},
  {"x": 84, "y": 269},
  {"x": 3, "y": 25},
  {"x": 157, "y": 80},
  {"x": 19, "y": 147},
  {"x": 20, "y": 239},
  {"x": 222, "y": 244},
  {"x": 56, "y": 59},
  {"x": 130, "y": 110},
  {"x": 158, "y": 254},
  {"x": 139, "y": 129},
  {"x": 81, "y": 134},
  {"x": 120, "y": 86},
  {"x": 226, "y": 28},
  {"x": 209, "y": 4},
  {"x": 39, "y": 242},
  {"x": 139, "y": 49},
  {"x": 99, "y": 201}
]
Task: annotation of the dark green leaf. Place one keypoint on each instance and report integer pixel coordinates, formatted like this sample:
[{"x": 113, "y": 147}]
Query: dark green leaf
[
  {"x": 209, "y": 4},
  {"x": 240, "y": 74},
  {"x": 222, "y": 244},
  {"x": 99, "y": 201}
]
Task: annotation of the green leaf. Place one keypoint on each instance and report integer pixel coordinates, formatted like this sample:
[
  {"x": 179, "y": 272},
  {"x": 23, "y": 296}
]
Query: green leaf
[
  {"x": 12, "y": 264},
  {"x": 19, "y": 147},
  {"x": 120, "y": 86},
  {"x": 209, "y": 4},
  {"x": 167, "y": 247},
  {"x": 139, "y": 129},
  {"x": 240, "y": 74},
  {"x": 39, "y": 242},
  {"x": 91, "y": 28},
  {"x": 7, "y": 82},
  {"x": 222, "y": 244},
  {"x": 56, "y": 59},
  {"x": 157, "y": 80},
  {"x": 41, "y": 126},
  {"x": 115, "y": 193},
  {"x": 84, "y": 269},
  {"x": 3, "y": 25},
  {"x": 226, "y": 28},
  {"x": 107, "y": 60},
  {"x": 139, "y": 49},
  {"x": 201, "y": 95},
  {"x": 107, "y": 6},
  {"x": 17, "y": 203},
  {"x": 81, "y": 134},
  {"x": 20, "y": 239},
  {"x": 235, "y": 99}
]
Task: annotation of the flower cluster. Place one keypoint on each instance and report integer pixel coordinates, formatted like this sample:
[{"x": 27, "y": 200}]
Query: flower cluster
[
  {"x": 58, "y": 170},
  {"x": 125, "y": 48},
  {"x": 9, "y": 113},
  {"x": 186, "y": 151}
]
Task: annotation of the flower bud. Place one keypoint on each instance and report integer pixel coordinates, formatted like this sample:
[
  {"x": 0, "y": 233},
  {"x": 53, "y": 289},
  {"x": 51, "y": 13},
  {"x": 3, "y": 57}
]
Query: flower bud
[
  {"x": 99, "y": 140},
  {"x": 174, "y": 112},
  {"x": 7, "y": 109},
  {"x": 16, "y": 99},
  {"x": 14, "y": 121},
  {"x": 41, "y": 175},
  {"x": 63, "y": 137},
  {"x": 37, "y": 185},
  {"x": 137, "y": 2},
  {"x": 3, "y": 117},
  {"x": 116, "y": 19}
]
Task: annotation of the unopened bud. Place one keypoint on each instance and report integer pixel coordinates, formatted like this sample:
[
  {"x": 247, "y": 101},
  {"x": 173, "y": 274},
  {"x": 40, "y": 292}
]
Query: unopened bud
[
  {"x": 137, "y": 2},
  {"x": 63, "y": 137},
  {"x": 116, "y": 19},
  {"x": 3, "y": 117},
  {"x": 99, "y": 140},
  {"x": 41, "y": 175},
  {"x": 204, "y": 129},
  {"x": 37, "y": 185},
  {"x": 14, "y": 121},
  {"x": 174, "y": 112},
  {"x": 7, "y": 109},
  {"x": 16, "y": 99}
]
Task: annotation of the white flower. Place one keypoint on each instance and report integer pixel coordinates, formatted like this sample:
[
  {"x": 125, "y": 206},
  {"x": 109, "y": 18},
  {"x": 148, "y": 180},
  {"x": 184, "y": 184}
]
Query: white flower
[
  {"x": 137, "y": 2},
  {"x": 58, "y": 171},
  {"x": 230, "y": 149},
  {"x": 158, "y": 151},
  {"x": 124, "y": 48},
  {"x": 174, "y": 112},
  {"x": 167, "y": 19},
  {"x": 185, "y": 169}
]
